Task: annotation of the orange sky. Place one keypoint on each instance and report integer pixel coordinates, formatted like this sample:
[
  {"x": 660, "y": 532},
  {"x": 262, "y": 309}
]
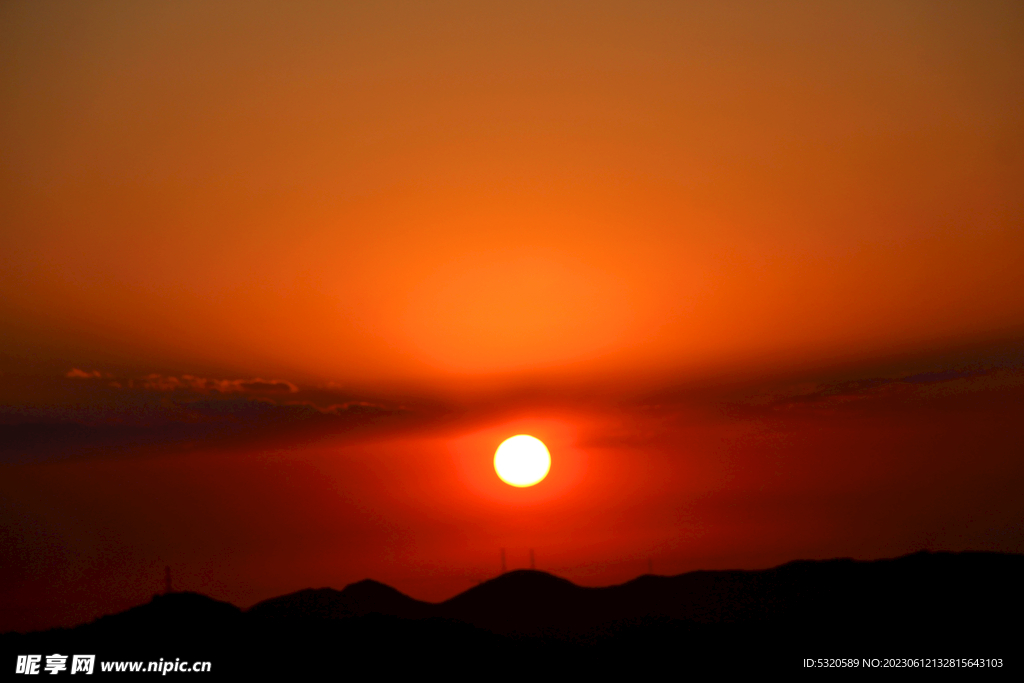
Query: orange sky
[{"x": 638, "y": 228}]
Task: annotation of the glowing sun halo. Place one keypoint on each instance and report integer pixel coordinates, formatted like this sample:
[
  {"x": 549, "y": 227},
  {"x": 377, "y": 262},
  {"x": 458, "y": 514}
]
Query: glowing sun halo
[{"x": 522, "y": 460}]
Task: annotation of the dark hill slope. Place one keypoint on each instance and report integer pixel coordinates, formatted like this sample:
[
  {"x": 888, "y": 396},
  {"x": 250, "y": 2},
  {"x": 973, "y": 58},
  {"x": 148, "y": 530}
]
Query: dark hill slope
[
  {"x": 923, "y": 605},
  {"x": 181, "y": 624},
  {"x": 932, "y": 592},
  {"x": 923, "y": 585},
  {"x": 355, "y": 600}
]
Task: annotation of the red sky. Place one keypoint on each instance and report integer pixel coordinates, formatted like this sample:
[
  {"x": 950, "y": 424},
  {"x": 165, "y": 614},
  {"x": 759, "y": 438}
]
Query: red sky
[{"x": 277, "y": 278}]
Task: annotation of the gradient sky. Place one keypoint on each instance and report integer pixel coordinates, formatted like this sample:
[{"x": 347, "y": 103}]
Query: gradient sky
[{"x": 277, "y": 278}]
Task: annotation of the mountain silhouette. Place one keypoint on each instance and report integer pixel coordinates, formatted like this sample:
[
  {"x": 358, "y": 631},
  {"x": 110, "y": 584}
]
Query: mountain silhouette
[
  {"x": 921, "y": 605},
  {"x": 170, "y": 612},
  {"x": 928, "y": 587},
  {"x": 525, "y": 601},
  {"x": 355, "y": 600}
]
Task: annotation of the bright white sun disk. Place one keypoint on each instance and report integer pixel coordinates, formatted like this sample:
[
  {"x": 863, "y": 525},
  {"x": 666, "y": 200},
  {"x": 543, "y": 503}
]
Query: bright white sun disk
[{"x": 522, "y": 460}]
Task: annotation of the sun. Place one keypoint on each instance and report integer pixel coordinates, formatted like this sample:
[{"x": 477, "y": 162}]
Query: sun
[{"x": 522, "y": 460}]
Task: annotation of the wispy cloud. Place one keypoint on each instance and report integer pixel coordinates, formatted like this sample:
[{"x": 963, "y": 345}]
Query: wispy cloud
[
  {"x": 155, "y": 382},
  {"x": 828, "y": 395},
  {"x": 203, "y": 385},
  {"x": 211, "y": 421},
  {"x": 121, "y": 416},
  {"x": 75, "y": 373}
]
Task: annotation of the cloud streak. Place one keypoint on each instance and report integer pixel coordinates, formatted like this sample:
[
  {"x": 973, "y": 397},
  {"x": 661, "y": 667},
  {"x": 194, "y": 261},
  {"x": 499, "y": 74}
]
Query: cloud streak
[
  {"x": 75, "y": 373},
  {"x": 217, "y": 423},
  {"x": 158, "y": 382},
  {"x": 110, "y": 416},
  {"x": 155, "y": 382}
]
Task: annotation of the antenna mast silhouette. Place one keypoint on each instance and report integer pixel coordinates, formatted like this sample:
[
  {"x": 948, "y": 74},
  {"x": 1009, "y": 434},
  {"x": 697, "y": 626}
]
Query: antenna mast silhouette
[{"x": 167, "y": 578}]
